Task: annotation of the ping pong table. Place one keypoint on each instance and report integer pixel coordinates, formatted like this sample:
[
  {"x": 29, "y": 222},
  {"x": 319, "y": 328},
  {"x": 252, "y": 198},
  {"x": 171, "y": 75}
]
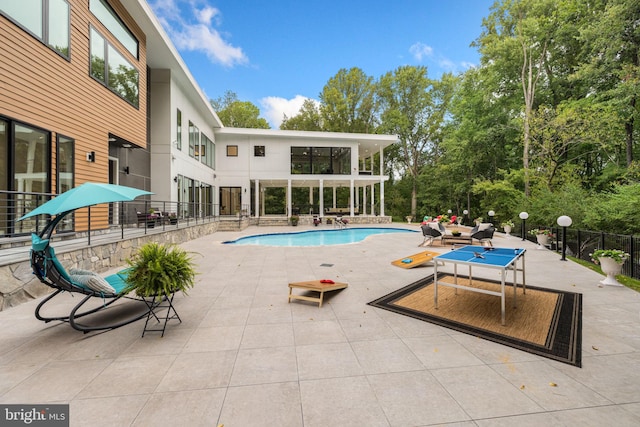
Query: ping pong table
[{"x": 502, "y": 259}]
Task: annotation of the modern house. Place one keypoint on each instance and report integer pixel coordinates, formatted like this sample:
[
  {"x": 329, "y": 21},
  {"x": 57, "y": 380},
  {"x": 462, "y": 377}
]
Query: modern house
[{"x": 94, "y": 90}]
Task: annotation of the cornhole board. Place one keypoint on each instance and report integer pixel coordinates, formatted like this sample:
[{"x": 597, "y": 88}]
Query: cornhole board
[
  {"x": 415, "y": 260},
  {"x": 315, "y": 286}
]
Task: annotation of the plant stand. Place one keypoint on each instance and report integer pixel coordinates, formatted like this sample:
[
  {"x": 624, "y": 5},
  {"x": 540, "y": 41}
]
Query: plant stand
[
  {"x": 165, "y": 302},
  {"x": 611, "y": 268}
]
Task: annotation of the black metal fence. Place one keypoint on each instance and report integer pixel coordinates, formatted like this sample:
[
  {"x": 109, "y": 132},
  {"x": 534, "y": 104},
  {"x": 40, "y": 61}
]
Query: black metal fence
[{"x": 582, "y": 243}]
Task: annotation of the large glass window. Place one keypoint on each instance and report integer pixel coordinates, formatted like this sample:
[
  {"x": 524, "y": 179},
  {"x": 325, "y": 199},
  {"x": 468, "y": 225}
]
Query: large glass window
[
  {"x": 179, "y": 130},
  {"x": 58, "y": 20},
  {"x": 64, "y": 167},
  {"x": 123, "y": 77},
  {"x": 111, "y": 68},
  {"x": 31, "y": 159},
  {"x": 27, "y": 13},
  {"x": 4, "y": 155},
  {"x": 64, "y": 173},
  {"x": 208, "y": 145},
  {"x": 112, "y": 22},
  {"x": 321, "y": 160},
  {"x": 194, "y": 139},
  {"x": 47, "y": 20}
]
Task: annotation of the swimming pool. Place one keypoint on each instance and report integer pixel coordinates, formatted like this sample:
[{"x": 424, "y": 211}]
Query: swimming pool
[{"x": 315, "y": 237}]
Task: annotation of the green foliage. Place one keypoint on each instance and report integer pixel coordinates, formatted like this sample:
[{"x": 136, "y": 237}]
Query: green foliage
[
  {"x": 308, "y": 118},
  {"x": 619, "y": 256},
  {"x": 500, "y": 196},
  {"x": 348, "y": 102},
  {"x": 238, "y": 114},
  {"x": 615, "y": 211},
  {"x": 157, "y": 270}
]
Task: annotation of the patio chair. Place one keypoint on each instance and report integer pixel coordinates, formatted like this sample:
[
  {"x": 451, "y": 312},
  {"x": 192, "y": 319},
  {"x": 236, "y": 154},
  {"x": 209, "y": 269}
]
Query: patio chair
[
  {"x": 431, "y": 231},
  {"x": 484, "y": 233},
  {"x": 50, "y": 271},
  {"x": 340, "y": 222}
]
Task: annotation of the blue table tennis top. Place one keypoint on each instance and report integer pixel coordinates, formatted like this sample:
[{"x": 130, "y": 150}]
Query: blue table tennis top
[{"x": 478, "y": 255}]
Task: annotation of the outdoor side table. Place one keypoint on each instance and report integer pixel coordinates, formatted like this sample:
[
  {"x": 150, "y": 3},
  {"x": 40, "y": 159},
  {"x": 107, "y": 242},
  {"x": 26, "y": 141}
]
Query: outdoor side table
[{"x": 315, "y": 286}]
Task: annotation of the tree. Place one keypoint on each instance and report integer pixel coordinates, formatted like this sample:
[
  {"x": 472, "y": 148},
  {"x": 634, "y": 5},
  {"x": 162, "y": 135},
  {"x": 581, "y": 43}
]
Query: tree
[
  {"x": 348, "y": 102},
  {"x": 612, "y": 69},
  {"x": 413, "y": 107},
  {"x": 308, "y": 118},
  {"x": 238, "y": 114},
  {"x": 520, "y": 32}
]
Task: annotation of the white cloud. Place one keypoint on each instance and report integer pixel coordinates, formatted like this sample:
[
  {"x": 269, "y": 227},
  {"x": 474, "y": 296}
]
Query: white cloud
[
  {"x": 193, "y": 29},
  {"x": 420, "y": 51},
  {"x": 274, "y": 108}
]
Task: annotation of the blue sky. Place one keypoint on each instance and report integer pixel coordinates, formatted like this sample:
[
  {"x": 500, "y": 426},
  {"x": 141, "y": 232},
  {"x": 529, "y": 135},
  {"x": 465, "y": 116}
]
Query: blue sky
[{"x": 278, "y": 53}]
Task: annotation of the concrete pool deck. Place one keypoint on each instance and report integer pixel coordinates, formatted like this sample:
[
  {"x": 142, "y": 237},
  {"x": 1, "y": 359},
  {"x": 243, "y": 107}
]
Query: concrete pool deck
[{"x": 244, "y": 356}]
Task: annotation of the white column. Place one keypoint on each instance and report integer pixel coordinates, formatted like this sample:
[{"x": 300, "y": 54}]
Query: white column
[
  {"x": 289, "y": 197},
  {"x": 321, "y": 198},
  {"x": 364, "y": 200},
  {"x": 310, "y": 199},
  {"x": 351, "y": 197},
  {"x": 373, "y": 199},
  {"x": 381, "y": 182},
  {"x": 334, "y": 197},
  {"x": 381, "y": 197},
  {"x": 256, "y": 199}
]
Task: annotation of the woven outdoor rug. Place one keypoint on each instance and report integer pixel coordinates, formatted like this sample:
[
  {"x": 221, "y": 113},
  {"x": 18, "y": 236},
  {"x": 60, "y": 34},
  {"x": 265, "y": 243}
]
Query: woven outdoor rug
[{"x": 546, "y": 322}]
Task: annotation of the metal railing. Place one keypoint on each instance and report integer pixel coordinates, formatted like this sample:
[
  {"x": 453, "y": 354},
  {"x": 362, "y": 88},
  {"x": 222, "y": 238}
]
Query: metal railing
[
  {"x": 582, "y": 243},
  {"x": 146, "y": 214}
]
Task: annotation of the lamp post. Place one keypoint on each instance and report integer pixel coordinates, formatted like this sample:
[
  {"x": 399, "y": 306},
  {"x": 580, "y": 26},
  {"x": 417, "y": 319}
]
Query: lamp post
[
  {"x": 523, "y": 217},
  {"x": 564, "y": 221},
  {"x": 491, "y": 214},
  {"x": 465, "y": 213}
]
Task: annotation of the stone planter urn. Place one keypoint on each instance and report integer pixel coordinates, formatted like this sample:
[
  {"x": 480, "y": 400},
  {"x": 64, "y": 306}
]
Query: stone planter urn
[
  {"x": 543, "y": 240},
  {"x": 611, "y": 268},
  {"x": 507, "y": 229}
]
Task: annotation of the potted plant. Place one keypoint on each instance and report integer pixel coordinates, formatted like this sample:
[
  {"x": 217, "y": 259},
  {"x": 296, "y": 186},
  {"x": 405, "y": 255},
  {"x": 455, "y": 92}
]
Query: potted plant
[
  {"x": 157, "y": 271},
  {"x": 408, "y": 218},
  {"x": 478, "y": 220},
  {"x": 173, "y": 218},
  {"x": 152, "y": 217},
  {"x": 611, "y": 261},
  {"x": 294, "y": 220},
  {"x": 456, "y": 233},
  {"x": 443, "y": 219},
  {"x": 507, "y": 226},
  {"x": 542, "y": 236}
]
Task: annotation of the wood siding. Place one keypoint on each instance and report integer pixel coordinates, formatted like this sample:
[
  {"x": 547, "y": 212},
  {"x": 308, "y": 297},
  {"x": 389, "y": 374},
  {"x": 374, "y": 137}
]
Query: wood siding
[{"x": 43, "y": 89}]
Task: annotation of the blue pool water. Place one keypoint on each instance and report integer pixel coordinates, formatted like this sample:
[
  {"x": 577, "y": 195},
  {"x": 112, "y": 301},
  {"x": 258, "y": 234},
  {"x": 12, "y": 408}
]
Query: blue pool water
[{"x": 315, "y": 237}]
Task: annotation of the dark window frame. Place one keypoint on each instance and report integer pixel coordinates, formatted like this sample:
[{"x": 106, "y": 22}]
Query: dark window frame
[
  {"x": 45, "y": 28},
  {"x": 105, "y": 54},
  {"x": 230, "y": 151},
  {"x": 259, "y": 151}
]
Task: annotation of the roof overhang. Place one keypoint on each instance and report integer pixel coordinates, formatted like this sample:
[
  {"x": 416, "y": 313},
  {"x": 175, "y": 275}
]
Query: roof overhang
[{"x": 162, "y": 54}]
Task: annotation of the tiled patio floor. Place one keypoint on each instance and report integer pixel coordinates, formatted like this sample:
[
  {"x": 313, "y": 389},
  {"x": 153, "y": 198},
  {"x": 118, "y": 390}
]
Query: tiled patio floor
[{"x": 244, "y": 356}]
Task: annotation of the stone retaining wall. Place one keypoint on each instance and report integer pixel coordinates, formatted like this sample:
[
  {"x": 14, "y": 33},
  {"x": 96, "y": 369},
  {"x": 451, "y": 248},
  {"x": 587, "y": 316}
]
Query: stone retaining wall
[{"x": 18, "y": 283}]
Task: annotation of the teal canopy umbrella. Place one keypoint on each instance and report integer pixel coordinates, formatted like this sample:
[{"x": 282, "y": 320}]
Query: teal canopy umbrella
[
  {"x": 90, "y": 193},
  {"x": 85, "y": 195}
]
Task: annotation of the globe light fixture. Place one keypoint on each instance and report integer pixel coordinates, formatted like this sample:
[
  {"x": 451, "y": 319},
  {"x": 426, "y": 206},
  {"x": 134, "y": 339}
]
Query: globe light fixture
[
  {"x": 523, "y": 216},
  {"x": 491, "y": 214},
  {"x": 564, "y": 221}
]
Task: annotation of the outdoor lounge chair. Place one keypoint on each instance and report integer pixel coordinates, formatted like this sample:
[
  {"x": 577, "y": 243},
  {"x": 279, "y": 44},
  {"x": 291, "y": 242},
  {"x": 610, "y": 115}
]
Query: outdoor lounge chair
[
  {"x": 50, "y": 271},
  {"x": 484, "y": 233},
  {"x": 340, "y": 222},
  {"x": 431, "y": 231}
]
